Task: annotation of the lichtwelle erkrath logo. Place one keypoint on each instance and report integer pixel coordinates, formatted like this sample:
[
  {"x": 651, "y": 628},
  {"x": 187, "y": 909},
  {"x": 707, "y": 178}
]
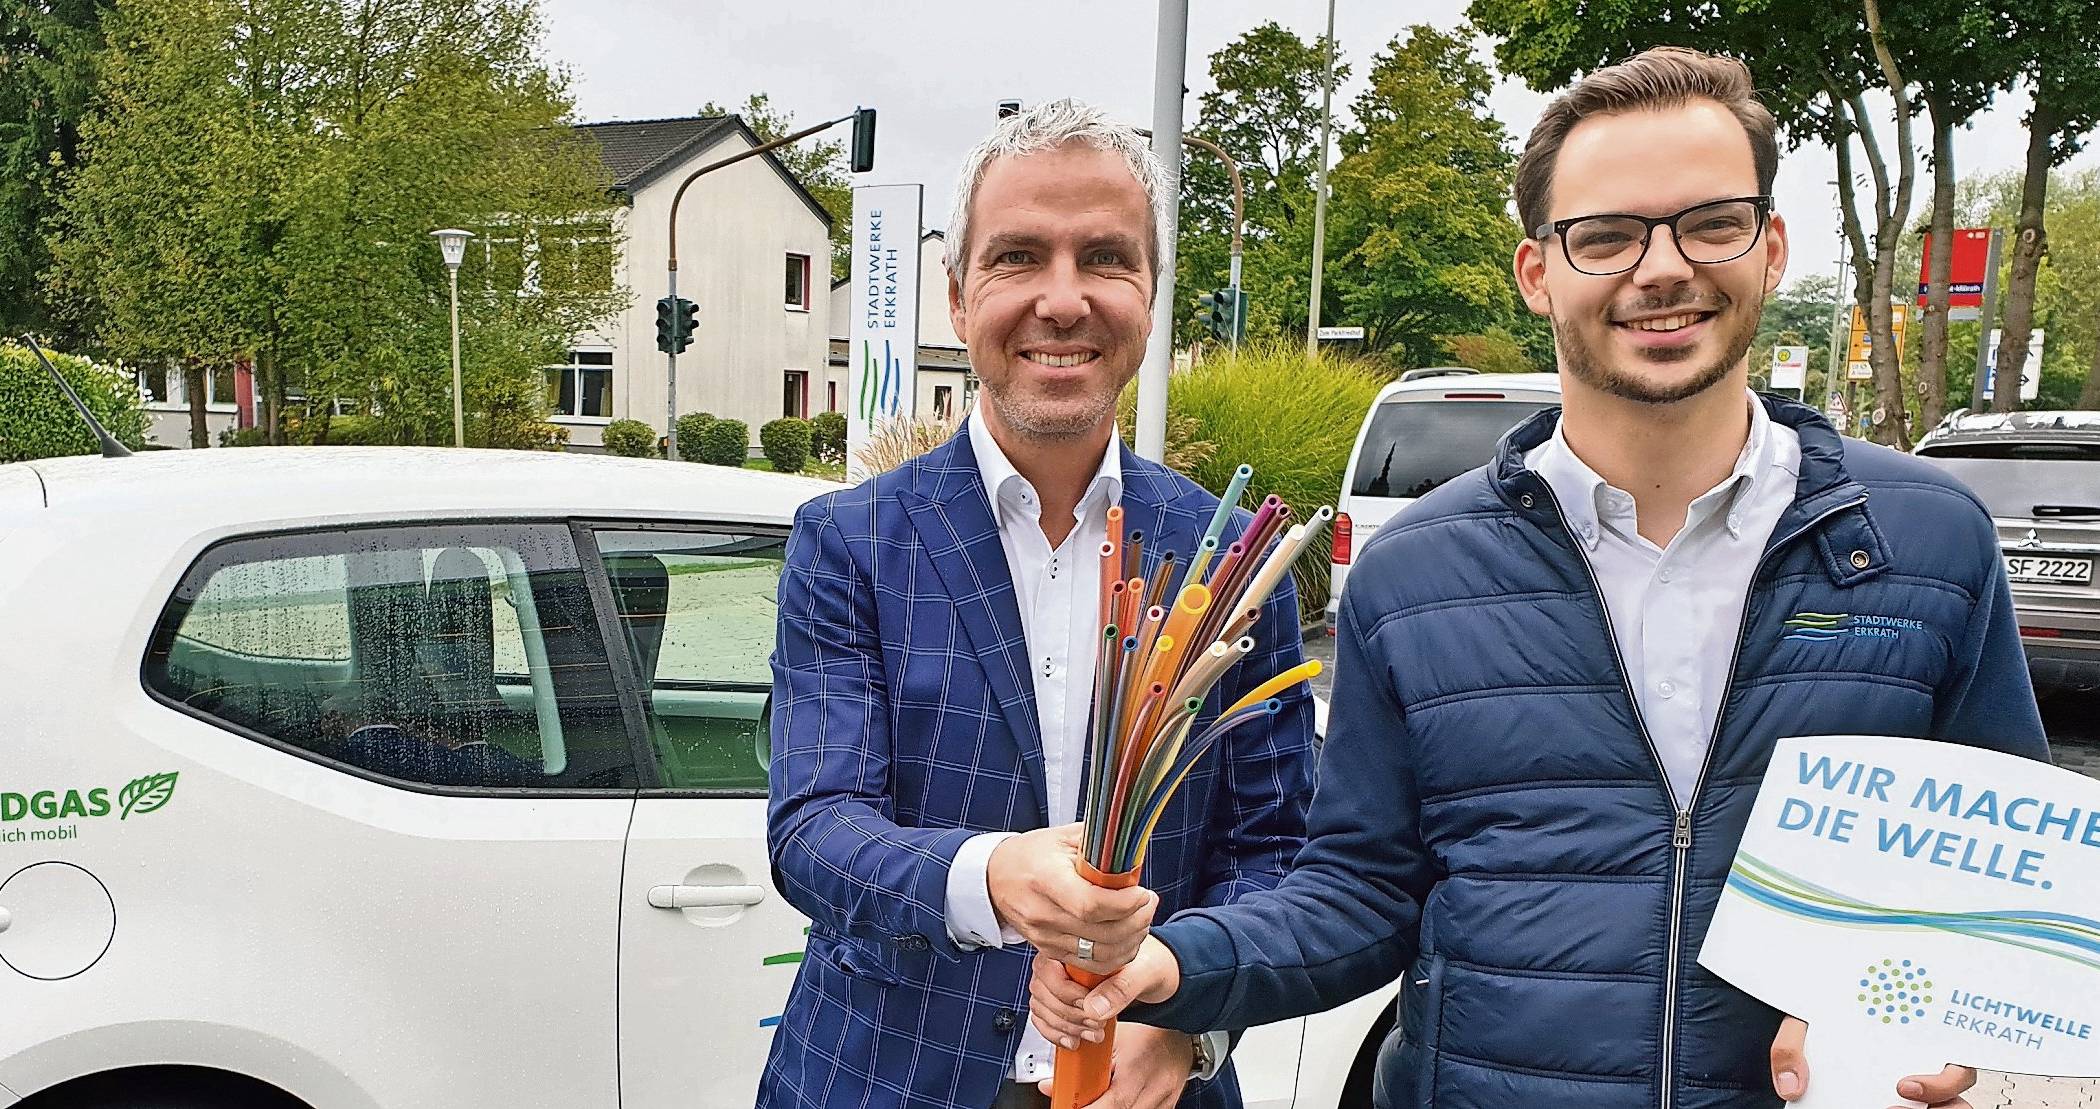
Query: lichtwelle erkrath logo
[
  {"x": 1828, "y": 627},
  {"x": 1898, "y": 991},
  {"x": 53, "y": 813},
  {"x": 1894, "y": 991}
]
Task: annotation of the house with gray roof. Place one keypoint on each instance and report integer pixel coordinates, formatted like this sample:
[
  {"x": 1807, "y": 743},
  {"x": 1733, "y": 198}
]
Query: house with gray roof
[{"x": 754, "y": 253}]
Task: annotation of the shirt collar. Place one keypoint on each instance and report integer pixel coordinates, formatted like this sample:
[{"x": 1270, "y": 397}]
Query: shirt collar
[
  {"x": 1014, "y": 498},
  {"x": 1587, "y": 501}
]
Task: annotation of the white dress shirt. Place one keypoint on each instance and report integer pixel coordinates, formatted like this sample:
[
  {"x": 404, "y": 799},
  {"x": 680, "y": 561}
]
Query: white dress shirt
[
  {"x": 1677, "y": 611},
  {"x": 1058, "y": 592}
]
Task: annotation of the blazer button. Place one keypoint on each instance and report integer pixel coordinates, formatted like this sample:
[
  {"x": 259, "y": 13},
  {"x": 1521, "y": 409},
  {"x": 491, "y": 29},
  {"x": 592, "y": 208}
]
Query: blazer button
[
  {"x": 1005, "y": 1020},
  {"x": 912, "y": 942}
]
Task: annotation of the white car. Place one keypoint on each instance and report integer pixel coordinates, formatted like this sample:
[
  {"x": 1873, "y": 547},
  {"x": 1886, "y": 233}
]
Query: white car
[
  {"x": 363, "y": 778},
  {"x": 1423, "y": 430}
]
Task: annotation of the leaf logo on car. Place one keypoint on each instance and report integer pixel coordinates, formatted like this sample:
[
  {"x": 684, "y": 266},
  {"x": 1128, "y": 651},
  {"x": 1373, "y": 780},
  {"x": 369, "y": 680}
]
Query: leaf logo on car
[{"x": 144, "y": 795}]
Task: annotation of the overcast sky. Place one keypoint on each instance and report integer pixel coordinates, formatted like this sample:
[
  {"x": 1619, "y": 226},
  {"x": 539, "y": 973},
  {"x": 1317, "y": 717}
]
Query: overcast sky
[{"x": 936, "y": 70}]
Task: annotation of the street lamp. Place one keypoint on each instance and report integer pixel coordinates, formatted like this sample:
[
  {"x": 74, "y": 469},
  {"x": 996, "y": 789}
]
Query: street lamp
[{"x": 453, "y": 243}]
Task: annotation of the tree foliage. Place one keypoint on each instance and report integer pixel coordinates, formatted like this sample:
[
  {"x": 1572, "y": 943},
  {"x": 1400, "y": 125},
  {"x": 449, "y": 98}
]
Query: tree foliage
[
  {"x": 1418, "y": 241},
  {"x": 1419, "y": 232},
  {"x": 48, "y": 54},
  {"x": 261, "y": 177}
]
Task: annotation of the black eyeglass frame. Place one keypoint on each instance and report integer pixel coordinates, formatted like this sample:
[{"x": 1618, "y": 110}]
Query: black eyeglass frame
[{"x": 1762, "y": 202}]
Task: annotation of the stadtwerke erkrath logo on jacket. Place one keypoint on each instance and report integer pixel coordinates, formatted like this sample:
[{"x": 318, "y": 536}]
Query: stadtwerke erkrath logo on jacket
[{"x": 1825, "y": 627}]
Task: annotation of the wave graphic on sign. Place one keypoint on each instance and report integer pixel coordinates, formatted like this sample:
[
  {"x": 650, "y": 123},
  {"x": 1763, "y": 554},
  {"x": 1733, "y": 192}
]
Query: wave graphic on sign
[
  {"x": 881, "y": 383},
  {"x": 2074, "y": 939}
]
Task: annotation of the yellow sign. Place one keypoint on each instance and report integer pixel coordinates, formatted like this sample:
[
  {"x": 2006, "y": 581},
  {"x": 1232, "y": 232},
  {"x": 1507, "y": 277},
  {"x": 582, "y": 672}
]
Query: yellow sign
[{"x": 1863, "y": 339}]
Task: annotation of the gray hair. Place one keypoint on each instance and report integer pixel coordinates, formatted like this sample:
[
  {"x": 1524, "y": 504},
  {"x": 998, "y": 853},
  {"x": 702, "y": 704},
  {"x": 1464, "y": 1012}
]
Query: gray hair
[{"x": 1048, "y": 126}]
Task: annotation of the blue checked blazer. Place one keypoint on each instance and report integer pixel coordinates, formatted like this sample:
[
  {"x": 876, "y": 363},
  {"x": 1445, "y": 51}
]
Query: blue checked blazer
[{"x": 904, "y": 722}]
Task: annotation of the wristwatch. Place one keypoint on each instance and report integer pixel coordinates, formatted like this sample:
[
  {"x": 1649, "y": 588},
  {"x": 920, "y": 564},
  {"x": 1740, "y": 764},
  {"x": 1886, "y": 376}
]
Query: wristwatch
[{"x": 1206, "y": 1062}]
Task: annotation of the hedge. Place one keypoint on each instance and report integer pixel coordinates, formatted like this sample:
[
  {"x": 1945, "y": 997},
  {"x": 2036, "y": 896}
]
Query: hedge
[
  {"x": 828, "y": 437},
  {"x": 36, "y": 420},
  {"x": 785, "y": 443},
  {"x": 726, "y": 443},
  {"x": 630, "y": 439},
  {"x": 692, "y": 432}
]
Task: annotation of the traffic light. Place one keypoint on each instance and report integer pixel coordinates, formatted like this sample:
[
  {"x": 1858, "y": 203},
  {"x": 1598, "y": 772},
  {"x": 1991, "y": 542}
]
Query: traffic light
[
  {"x": 863, "y": 140},
  {"x": 1211, "y": 314},
  {"x": 1222, "y": 313},
  {"x": 674, "y": 324},
  {"x": 687, "y": 310}
]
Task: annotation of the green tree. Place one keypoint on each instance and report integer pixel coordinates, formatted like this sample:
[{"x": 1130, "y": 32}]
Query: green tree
[
  {"x": 260, "y": 183},
  {"x": 820, "y": 164},
  {"x": 1419, "y": 232},
  {"x": 1264, "y": 110},
  {"x": 48, "y": 55},
  {"x": 2061, "y": 65}
]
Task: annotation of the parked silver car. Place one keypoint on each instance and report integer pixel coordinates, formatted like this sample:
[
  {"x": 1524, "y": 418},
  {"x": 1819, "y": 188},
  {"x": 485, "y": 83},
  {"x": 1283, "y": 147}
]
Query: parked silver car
[{"x": 2039, "y": 474}]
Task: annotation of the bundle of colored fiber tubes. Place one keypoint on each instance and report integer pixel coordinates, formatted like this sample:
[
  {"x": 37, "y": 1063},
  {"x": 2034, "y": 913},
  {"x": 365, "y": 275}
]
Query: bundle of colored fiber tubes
[{"x": 1166, "y": 639}]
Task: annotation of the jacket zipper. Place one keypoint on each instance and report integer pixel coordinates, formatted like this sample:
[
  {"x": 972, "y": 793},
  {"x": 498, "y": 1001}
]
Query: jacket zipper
[{"x": 1681, "y": 827}]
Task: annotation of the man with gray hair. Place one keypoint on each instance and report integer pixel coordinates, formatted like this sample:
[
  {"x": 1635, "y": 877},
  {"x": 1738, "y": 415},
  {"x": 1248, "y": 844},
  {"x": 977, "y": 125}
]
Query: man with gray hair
[{"x": 938, "y": 636}]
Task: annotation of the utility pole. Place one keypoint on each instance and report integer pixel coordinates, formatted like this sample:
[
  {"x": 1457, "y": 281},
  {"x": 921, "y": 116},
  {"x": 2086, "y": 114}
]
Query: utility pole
[
  {"x": 1171, "y": 63},
  {"x": 1312, "y": 312}
]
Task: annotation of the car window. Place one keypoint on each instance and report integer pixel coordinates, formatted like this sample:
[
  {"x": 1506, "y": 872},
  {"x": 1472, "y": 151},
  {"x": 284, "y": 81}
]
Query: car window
[
  {"x": 439, "y": 655},
  {"x": 699, "y": 613},
  {"x": 2049, "y": 452},
  {"x": 1414, "y": 446}
]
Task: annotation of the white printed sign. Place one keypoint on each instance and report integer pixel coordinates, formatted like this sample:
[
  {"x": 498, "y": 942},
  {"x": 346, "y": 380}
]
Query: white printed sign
[
  {"x": 2030, "y": 370},
  {"x": 1789, "y": 368},
  {"x": 1918, "y": 904},
  {"x": 882, "y": 336}
]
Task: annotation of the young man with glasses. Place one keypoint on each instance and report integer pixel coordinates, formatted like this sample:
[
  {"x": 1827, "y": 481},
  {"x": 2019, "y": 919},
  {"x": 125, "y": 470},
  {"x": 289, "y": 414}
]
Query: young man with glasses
[{"x": 1560, "y": 676}]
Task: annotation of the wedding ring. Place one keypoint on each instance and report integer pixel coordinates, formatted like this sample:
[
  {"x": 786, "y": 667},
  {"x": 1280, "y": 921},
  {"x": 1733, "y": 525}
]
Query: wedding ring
[{"x": 1085, "y": 948}]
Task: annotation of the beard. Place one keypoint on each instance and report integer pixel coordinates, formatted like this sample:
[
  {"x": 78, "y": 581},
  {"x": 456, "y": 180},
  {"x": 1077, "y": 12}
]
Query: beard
[
  {"x": 1583, "y": 361},
  {"x": 1054, "y": 417}
]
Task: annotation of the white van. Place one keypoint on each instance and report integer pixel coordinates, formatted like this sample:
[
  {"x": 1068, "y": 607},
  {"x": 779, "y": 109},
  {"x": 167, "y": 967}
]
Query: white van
[
  {"x": 389, "y": 778},
  {"x": 1423, "y": 430}
]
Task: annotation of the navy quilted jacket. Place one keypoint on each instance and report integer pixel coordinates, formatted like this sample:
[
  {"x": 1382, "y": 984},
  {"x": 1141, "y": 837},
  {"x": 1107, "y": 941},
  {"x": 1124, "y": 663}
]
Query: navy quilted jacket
[{"x": 1491, "y": 817}]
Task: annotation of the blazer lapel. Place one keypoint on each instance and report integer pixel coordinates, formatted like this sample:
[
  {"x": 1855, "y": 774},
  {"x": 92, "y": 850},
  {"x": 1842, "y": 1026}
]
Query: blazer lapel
[{"x": 952, "y": 514}]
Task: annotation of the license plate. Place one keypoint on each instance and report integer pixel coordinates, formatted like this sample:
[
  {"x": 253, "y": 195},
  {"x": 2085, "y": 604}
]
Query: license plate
[{"x": 2049, "y": 570}]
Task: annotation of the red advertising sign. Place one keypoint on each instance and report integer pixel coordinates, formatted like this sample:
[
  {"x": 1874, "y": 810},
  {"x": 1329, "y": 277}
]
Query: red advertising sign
[{"x": 1972, "y": 256}]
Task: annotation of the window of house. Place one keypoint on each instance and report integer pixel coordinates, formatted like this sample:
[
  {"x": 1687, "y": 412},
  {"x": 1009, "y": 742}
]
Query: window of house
[
  {"x": 165, "y": 384},
  {"x": 582, "y": 386},
  {"x": 699, "y": 615},
  {"x": 798, "y": 281},
  {"x": 944, "y": 402},
  {"x": 445, "y": 655},
  {"x": 831, "y": 396},
  {"x": 794, "y": 393}
]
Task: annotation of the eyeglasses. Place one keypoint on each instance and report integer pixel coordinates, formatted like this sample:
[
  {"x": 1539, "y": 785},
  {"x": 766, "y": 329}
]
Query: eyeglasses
[{"x": 1710, "y": 233}]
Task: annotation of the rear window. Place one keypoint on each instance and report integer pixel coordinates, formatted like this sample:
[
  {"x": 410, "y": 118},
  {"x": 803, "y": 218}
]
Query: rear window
[
  {"x": 1415, "y": 446},
  {"x": 2052, "y": 452}
]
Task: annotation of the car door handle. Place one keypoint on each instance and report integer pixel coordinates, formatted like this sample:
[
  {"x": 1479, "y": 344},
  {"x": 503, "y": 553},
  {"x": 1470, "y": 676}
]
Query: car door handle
[{"x": 705, "y": 897}]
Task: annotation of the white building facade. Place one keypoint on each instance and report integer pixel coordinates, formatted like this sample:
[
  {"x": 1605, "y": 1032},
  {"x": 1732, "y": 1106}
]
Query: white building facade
[{"x": 754, "y": 253}]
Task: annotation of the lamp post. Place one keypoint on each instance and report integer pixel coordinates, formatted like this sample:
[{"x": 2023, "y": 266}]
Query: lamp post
[{"x": 453, "y": 242}]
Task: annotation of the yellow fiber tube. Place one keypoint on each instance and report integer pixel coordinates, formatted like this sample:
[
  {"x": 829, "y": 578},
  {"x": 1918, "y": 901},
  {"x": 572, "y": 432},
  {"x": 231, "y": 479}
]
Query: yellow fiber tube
[{"x": 1304, "y": 671}]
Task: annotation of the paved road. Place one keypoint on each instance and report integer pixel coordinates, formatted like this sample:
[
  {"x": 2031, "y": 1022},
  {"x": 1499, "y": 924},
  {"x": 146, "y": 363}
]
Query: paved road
[{"x": 2074, "y": 738}]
